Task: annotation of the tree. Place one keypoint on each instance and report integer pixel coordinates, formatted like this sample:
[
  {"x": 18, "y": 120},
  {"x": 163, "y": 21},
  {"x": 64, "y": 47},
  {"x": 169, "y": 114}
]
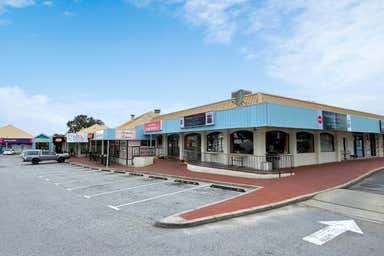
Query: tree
[{"x": 82, "y": 121}]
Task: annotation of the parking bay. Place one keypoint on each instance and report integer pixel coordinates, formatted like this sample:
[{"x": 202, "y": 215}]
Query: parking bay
[{"x": 146, "y": 197}]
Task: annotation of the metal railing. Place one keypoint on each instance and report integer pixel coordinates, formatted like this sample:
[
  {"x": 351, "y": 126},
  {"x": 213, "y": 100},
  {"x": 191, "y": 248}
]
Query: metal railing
[{"x": 268, "y": 163}]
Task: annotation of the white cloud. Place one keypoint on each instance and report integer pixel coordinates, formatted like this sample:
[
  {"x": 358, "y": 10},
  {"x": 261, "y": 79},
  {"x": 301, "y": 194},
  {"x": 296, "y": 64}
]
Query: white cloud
[
  {"x": 322, "y": 47},
  {"x": 39, "y": 113},
  {"x": 15, "y": 3}
]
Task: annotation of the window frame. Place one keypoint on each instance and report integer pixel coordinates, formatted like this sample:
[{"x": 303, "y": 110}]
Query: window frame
[
  {"x": 251, "y": 139},
  {"x": 302, "y": 142},
  {"x": 218, "y": 142},
  {"x": 332, "y": 141}
]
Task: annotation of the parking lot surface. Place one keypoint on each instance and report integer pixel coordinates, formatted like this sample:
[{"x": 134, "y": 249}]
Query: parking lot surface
[{"x": 58, "y": 209}]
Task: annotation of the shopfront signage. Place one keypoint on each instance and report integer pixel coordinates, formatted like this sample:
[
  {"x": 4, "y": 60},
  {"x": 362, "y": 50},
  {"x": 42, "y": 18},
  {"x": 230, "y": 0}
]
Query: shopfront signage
[
  {"x": 99, "y": 135},
  {"x": 197, "y": 120},
  {"x": 134, "y": 143},
  {"x": 58, "y": 140},
  {"x": 382, "y": 126},
  {"x": 15, "y": 141},
  {"x": 154, "y": 126},
  {"x": 77, "y": 138},
  {"x": 335, "y": 121},
  {"x": 125, "y": 134}
]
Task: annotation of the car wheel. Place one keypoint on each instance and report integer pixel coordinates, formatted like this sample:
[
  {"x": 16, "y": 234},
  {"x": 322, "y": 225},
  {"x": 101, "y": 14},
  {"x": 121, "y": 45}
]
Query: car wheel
[
  {"x": 61, "y": 160},
  {"x": 35, "y": 161}
]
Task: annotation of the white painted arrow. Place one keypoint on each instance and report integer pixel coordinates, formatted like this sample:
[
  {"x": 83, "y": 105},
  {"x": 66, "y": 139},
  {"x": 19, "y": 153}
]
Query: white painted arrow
[{"x": 333, "y": 229}]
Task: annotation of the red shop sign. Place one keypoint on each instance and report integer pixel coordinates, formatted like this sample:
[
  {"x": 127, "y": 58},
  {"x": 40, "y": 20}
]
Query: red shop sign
[{"x": 153, "y": 126}]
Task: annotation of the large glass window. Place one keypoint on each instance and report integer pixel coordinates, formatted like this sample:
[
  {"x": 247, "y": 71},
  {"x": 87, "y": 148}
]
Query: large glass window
[
  {"x": 305, "y": 142},
  {"x": 215, "y": 142},
  {"x": 277, "y": 142},
  {"x": 327, "y": 142},
  {"x": 193, "y": 142},
  {"x": 242, "y": 142}
]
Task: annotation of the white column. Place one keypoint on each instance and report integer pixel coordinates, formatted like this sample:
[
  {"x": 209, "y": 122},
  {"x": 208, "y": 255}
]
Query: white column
[
  {"x": 226, "y": 142},
  {"x": 181, "y": 146},
  {"x": 317, "y": 146},
  {"x": 107, "y": 163},
  {"x": 338, "y": 146},
  {"x": 259, "y": 140},
  {"x": 165, "y": 144},
  {"x": 203, "y": 142},
  {"x": 102, "y": 147},
  {"x": 381, "y": 145},
  {"x": 293, "y": 145}
]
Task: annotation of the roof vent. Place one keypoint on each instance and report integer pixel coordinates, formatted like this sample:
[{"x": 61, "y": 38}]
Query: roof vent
[
  {"x": 157, "y": 111},
  {"x": 132, "y": 116},
  {"x": 238, "y": 96}
]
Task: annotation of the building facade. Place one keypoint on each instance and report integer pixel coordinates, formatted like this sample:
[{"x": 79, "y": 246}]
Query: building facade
[
  {"x": 265, "y": 132},
  {"x": 15, "y": 138}
]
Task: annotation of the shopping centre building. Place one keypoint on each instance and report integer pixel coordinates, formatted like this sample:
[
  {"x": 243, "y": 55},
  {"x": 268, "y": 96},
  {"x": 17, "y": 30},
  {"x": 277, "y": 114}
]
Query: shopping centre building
[
  {"x": 253, "y": 131},
  {"x": 15, "y": 138}
]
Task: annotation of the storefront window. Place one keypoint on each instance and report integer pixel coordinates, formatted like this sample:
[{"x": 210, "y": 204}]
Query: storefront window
[
  {"x": 327, "y": 143},
  {"x": 277, "y": 142},
  {"x": 305, "y": 142},
  {"x": 193, "y": 142},
  {"x": 242, "y": 142},
  {"x": 215, "y": 142}
]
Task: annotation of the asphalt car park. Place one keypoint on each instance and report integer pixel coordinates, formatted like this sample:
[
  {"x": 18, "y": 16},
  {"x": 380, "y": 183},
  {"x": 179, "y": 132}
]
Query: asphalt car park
[
  {"x": 145, "y": 196},
  {"x": 44, "y": 211}
]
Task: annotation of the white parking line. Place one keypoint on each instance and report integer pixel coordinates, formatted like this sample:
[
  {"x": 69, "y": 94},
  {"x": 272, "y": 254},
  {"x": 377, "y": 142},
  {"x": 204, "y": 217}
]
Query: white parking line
[
  {"x": 117, "y": 207},
  {"x": 69, "y": 176},
  {"x": 89, "y": 186},
  {"x": 125, "y": 189},
  {"x": 60, "y": 172}
]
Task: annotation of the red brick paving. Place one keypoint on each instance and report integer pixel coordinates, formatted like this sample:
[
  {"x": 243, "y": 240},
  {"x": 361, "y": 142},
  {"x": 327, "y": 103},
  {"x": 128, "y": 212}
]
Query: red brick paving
[{"x": 307, "y": 180}]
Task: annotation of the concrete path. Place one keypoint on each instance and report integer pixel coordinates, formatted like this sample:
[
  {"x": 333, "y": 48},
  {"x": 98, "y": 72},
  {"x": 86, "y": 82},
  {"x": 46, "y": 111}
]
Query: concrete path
[{"x": 359, "y": 204}]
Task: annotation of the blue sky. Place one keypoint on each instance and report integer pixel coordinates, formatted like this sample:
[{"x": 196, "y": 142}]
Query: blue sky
[{"x": 111, "y": 58}]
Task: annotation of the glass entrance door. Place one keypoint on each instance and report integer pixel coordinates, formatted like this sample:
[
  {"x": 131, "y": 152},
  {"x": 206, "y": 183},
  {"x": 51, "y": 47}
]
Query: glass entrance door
[
  {"x": 192, "y": 147},
  {"x": 372, "y": 142},
  {"x": 173, "y": 146},
  {"x": 359, "y": 145}
]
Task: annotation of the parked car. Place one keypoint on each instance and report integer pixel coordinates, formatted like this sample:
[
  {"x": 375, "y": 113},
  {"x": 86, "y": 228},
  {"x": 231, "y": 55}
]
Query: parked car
[
  {"x": 9, "y": 151},
  {"x": 36, "y": 156}
]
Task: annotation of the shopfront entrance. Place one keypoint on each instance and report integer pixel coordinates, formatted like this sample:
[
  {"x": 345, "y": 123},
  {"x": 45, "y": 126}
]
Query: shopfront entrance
[
  {"x": 192, "y": 147},
  {"x": 173, "y": 146},
  {"x": 358, "y": 144},
  {"x": 372, "y": 142}
]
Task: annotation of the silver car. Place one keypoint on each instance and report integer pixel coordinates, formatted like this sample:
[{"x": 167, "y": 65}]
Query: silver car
[{"x": 36, "y": 156}]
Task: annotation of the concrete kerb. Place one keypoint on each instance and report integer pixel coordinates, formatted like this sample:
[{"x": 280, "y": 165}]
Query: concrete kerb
[
  {"x": 176, "y": 221},
  {"x": 134, "y": 172}
]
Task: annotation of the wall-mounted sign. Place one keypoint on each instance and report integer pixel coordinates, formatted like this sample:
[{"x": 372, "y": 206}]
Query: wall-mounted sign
[
  {"x": 153, "y": 126},
  {"x": 125, "y": 134},
  {"x": 336, "y": 121},
  {"x": 382, "y": 126},
  {"x": 134, "y": 143},
  {"x": 77, "y": 138},
  {"x": 15, "y": 141},
  {"x": 99, "y": 135},
  {"x": 58, "y": 139},
  {"x": 201, "y": 119}
]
